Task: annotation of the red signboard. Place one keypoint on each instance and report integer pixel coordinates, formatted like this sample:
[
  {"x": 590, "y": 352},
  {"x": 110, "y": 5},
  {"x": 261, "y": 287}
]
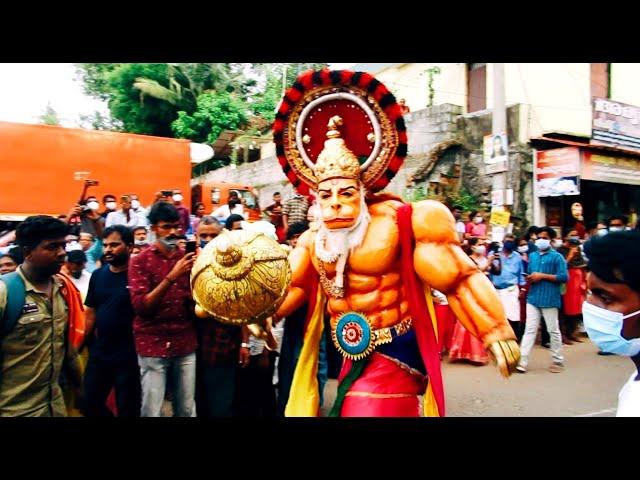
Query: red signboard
[{"x": 557, "y": 172}]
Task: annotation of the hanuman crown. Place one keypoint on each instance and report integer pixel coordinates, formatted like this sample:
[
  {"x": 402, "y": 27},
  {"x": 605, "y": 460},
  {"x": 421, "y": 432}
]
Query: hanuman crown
[{"x": 336, "y": 160}]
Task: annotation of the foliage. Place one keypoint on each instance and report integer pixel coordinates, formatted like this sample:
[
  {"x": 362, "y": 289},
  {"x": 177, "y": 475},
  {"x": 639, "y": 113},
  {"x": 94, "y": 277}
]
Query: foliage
[
  {"x": 215, "y": 112},
  {"x": 466, "y": 200},
  {"x": 278, "y": 77},
  {"x": 49, "y": 116},
  {"x": 98, "y": 121},
  {"x": 431, "y": 73}
]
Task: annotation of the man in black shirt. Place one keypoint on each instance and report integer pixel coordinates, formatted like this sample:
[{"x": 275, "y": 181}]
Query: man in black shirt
[{"x": 112, "y": 355}]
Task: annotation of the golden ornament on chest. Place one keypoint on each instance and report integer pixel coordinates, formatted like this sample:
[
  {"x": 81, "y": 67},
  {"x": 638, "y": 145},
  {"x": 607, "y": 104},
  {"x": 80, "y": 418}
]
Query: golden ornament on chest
[{"x": 241, "y": 278}]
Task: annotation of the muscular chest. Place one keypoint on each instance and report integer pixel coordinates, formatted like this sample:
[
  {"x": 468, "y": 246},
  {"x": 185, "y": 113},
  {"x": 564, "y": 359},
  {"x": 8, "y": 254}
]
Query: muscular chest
[{"x": 377, "y": 255}]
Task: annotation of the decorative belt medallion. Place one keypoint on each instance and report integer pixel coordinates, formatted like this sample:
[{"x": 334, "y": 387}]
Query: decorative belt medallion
[{"x": 352, "y": 336}]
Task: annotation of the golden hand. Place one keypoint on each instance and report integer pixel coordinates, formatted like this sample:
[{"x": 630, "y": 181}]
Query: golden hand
[{"x": 505, "y": 354}]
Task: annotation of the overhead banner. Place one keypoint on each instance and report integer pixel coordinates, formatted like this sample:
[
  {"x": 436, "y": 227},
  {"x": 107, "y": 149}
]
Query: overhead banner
[
  {"x": 557, "y": 172},
  {"x": 616, "y": 124}
]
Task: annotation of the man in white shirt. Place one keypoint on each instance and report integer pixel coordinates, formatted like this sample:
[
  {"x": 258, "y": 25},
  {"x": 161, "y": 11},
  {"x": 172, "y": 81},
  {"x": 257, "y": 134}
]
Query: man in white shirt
[
  {"x": 460, "y": 226},
  {"x": 611, "y": 312},
  {"x": 234, "y": 207},
  {"x": 125, "y": 216}
]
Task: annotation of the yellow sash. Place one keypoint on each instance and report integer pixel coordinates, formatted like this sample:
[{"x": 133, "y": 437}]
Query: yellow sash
[{"x": 304, "y": 397}]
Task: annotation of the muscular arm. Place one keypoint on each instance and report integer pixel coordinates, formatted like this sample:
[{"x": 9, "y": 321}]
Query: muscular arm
[
  {"x": 302, "y": 270},
  {"x": 443, "y": 265}
]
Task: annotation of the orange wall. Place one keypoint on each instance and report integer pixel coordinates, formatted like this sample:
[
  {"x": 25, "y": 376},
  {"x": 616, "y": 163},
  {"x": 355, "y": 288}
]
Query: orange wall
[{"x": 37, "y": 165}]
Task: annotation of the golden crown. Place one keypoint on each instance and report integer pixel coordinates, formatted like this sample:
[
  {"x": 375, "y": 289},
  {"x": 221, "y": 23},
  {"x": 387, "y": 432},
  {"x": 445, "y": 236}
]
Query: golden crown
[{"x": 336, "y": 160}]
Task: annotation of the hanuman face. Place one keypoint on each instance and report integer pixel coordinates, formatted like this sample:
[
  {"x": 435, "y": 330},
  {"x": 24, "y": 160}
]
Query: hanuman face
[{"x": 339, "y": 200}]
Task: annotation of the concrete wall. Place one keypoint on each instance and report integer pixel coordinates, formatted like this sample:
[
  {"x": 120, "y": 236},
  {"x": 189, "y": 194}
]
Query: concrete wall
[
  {"x": 410, "y": 81},
  {"x": 624, "y": 83}
]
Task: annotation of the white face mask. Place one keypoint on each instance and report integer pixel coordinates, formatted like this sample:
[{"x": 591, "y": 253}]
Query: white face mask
[
  {"x": 523, "y": 248},
  {"x": 477, "y": 220},
  {"x": 604, "y": 328},
  {"x": 135, "y": 204},
  {"x": 177, "y": 197},
  {"x": 93, "y": 205},
  {"x": 111, "y": 205},
  {"x": 557, "y": 243},
  {"x": 479, "y": 250},
  {"x": 616, "y": 229}
]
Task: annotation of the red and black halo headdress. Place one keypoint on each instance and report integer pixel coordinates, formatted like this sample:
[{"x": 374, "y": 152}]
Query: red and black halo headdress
[{"x": 373, "y": 127}]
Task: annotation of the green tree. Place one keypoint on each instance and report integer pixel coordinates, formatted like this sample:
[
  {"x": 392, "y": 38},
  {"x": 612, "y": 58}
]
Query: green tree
[
  {"x": 49, "y": 116},
  {"x": 94, "y": 78},
  {"x": 215, "y": 112},
  {"x": 99, "y": 121},
  {"x": 277, "y": 78}
]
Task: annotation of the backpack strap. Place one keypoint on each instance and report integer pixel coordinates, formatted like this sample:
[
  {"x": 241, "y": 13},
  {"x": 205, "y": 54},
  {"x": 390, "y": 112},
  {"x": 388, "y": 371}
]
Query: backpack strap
[{"x": 16, "y": 295}]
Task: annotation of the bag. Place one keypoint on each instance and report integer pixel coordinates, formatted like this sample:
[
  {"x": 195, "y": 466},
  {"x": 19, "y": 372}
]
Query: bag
[{"x": 16, "y": 293}]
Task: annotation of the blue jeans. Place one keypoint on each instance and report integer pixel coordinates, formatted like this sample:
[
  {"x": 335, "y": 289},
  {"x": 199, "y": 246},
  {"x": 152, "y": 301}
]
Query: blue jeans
[{"x": 153, "y": 374}]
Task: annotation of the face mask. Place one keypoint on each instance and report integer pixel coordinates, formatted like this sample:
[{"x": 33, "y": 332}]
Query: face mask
[
  {"x": 111, "y": 205},
  {"x": 177, "y": 197},
  {"x": 93, "y": 205},
  {"x": 170, "y": 244},
  {"x": 510, "y": 245},
  {"x": 557, "y": 243},
  {"x": 602, "y": 232},
  {"x": 543, "y": 243},
  {"x": 574, "y": 238},
  {"x": 135, "y": 204},
  {"x": 523, "y": 248},
  {"x": 616, "y": 229},
  {"x": 140, "y": 243},
  {"x": 604, "y": 328},
  {"x": 477, "y": 220},
  {"x": 479, "y": 250},
  {"x": 203, "y": 243}
]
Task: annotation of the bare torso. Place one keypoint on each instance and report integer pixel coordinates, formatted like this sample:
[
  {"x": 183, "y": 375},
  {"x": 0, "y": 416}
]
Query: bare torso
[{"x": 372, "y": 277}]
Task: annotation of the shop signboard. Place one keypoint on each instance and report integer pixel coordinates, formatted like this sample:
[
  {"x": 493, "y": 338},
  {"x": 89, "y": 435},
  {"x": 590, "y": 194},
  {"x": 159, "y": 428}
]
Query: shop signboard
[
  {"x": 610, "y": 168},
  {"x": 557, "y": 172},
  {"x": 616, "y": 124}
]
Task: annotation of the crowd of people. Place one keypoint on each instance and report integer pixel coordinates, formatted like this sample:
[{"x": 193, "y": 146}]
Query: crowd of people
[
  {"x": 540, "y": 280},
  {"x": 140, "y": 347}
]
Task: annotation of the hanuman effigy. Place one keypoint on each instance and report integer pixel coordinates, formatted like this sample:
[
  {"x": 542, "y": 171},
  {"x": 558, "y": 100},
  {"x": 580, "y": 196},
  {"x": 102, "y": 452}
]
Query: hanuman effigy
[{"x": 372, "y": 261}]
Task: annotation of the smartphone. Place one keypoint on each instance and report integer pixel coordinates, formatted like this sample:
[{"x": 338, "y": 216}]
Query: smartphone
[
  {"x": 191, "y": 246},
  {"x": 167, "y": 193}
]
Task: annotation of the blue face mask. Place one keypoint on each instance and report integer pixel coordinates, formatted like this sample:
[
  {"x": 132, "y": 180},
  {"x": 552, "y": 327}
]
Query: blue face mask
[
  {"x": 203, "y": 243},
  {"x": 543, "y": 243},
  {"x": 604, "y": 328}
]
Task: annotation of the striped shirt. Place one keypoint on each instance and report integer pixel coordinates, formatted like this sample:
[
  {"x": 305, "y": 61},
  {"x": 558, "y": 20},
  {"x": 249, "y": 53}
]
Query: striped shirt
[{"x": 546, "y": 294}]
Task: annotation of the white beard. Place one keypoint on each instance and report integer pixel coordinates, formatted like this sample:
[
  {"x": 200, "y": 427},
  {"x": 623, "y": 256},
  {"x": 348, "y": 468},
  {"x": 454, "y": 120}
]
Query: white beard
[{"x": 342, "y": 241}]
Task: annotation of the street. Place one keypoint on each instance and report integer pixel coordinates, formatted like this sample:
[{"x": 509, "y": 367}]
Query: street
[{"x": 588, "y": 387}]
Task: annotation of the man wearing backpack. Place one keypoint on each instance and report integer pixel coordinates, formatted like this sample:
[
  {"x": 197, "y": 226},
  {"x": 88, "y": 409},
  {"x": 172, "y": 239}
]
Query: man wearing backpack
[{"x": 41, "y": 324}]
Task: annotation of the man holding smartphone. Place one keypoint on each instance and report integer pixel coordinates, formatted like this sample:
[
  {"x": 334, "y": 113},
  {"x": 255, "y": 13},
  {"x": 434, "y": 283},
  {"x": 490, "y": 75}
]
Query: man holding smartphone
[{"x": 163, "y": 327}]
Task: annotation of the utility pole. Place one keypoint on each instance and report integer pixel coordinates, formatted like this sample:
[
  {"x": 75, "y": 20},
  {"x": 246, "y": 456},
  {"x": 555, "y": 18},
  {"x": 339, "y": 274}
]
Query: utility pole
[
  {"x": 499, "y": 118},
  {"x": 499, "y": 125}
]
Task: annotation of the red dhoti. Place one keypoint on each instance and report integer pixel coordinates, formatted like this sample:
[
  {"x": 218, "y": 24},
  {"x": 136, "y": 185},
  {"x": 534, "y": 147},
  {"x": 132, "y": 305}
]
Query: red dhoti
[{"x": 385, "y": 388}]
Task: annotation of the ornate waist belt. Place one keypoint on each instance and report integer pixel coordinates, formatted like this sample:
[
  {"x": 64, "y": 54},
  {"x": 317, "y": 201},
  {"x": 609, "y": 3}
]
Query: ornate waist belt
[{"x": 354, "y": 338}]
